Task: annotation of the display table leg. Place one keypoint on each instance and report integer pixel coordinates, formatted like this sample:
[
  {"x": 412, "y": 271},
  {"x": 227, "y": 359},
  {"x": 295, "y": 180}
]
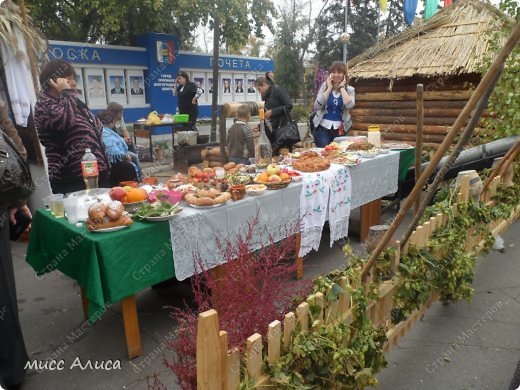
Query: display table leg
[
  {"x": 84, "y": 304},
  {"x": 299, "y": 259},
  {"x": 370, "y": 216},
  {"x": 131, "y": 324}
]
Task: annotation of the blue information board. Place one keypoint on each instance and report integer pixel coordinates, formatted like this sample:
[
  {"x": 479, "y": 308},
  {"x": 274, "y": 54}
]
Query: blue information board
[{"x": 147, "y": 73}]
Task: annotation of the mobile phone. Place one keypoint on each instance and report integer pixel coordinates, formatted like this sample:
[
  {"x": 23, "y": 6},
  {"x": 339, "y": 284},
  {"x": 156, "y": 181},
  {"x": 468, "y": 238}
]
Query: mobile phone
[{"x": 22, "y": 221}]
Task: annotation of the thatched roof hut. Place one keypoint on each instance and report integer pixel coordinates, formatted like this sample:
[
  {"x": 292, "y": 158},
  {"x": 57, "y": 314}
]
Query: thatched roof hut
[{"x": 444, "y": 54}]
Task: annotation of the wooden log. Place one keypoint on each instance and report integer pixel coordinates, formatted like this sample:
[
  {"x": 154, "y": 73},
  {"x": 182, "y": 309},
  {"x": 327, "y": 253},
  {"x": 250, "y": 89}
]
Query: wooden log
[
  {"x": 401, "y": 128},
  {"x": 405, "y": 112},
  {"x": 435, "y": 95},
  {"x": 410, "y": 104},
  {"x": 254, "y": 356},
  {"x": 406, "y": 137},
  {"x": 289, "y": 323},
  {"x": 433, "y": 225},
  {"x": 302, "y": 316},
  {"x": 274, "y": 339},
  {"x": 209, "y": 365},
  {"x": 404, "y": 120}
]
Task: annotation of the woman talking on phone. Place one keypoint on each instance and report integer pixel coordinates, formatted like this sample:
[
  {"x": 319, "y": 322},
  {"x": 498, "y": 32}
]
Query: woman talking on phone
[{"x": 334, "y": 99}]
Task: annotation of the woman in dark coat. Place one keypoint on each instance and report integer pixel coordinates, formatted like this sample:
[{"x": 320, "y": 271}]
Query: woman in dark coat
[
  {"x": 188, "y": 94},
  {"x": 277, "y": 105},
  {"x": 13, "y": 355}
]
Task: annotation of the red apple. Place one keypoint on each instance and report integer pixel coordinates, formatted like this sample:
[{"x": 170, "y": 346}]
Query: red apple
[{"x": 117, "y": 193}]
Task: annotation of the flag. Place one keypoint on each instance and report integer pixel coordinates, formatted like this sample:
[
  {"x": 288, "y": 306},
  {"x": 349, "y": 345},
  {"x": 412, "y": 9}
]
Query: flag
[
  {"x": 430, "y": 7},
  {"x": 410, "y": 6},
  {"x": 382, "y": 5}
]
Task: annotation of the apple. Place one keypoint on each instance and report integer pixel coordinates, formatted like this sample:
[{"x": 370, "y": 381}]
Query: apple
[
  {"x": 127, "y": 188},
  {"x": 275, "y": 179},
  {"x": 272, "y": 169},
  {"x": 117, "y": 193}
]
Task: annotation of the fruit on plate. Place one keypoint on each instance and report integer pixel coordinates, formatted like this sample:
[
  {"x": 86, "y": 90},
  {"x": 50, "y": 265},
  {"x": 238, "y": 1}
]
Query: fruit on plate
[
  {"x": 272, "y": 169},
  {"x": 118, "y": 193},
  {"x": 274, "y": 179},
  {"x": 136, "y": 195}
]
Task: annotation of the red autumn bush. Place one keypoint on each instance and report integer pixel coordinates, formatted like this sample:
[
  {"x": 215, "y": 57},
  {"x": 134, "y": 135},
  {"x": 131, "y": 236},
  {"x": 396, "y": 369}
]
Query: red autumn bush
[{"x": 252, "y": 289}]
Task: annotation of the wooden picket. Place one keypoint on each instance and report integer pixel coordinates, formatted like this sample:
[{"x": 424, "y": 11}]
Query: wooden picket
[{"x": 218, "y": 368}]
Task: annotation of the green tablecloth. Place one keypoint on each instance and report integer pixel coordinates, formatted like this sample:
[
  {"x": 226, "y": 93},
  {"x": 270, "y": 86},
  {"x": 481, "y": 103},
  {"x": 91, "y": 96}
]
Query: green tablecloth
[
  {"x": 108, "y": 266},
  {"x": 406, "y": 159}
]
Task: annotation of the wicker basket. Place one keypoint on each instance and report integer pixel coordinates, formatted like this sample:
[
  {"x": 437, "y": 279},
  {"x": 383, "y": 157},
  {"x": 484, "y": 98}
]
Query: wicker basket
[{"x": 276, "y": 186}]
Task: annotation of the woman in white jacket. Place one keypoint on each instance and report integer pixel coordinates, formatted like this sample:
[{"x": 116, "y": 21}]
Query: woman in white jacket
[{"x": 334, "y": 99}]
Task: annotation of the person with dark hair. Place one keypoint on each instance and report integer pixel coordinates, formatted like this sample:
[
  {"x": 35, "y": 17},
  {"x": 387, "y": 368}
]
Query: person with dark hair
[
  {"x": 188, "y": 94},
  {"x": 66, "y": 127},
  {"x": 335, "y": 97},
  {"x": 136, "y": 89},
  {"x": 112, "y": 118},
  {"x": 240, "y": 137},
  {"x": 239, "y": 88},
  {"x": 270, "y": 77},
  {"x": 13, "y": 355},
  {"x": 121, "y": 166},
  {"x": 227, "y": 85},
  {"x": 117, "y": 90},
  {"x": 277, "y": 106}
]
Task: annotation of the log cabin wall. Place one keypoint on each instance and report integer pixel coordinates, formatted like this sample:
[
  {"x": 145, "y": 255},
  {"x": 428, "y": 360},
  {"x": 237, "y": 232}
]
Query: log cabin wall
[{"x": 392, "y": 106}]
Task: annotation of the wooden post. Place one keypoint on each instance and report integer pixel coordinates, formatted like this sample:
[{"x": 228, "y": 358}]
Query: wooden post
[
  {"x": 419, "y": 139},
  {"x": 299, "y": 259},
  {"x": 84, "y": 303},
  {"x": 344, "y": 302},
  {"x": 274, "y": 338},
  {"x": 319, "y": 300},
  {"x": 233, "y": 370},
  {"x": 397, "y": 258},
  {"x": 289, "y": 323},
  {"x": 464, "y": 188},
  {"x": 496, "y": 170},
  {"x": 224, "y": 354},
  {"x": 486, "y": 82},
  {"x": 302, "y": 315},
  {"x": 254, "y": 356},
  {"x": 209, "y": 364}
]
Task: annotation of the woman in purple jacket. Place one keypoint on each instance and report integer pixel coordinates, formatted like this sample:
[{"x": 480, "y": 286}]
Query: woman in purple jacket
[{"x": 66, "y": 127}]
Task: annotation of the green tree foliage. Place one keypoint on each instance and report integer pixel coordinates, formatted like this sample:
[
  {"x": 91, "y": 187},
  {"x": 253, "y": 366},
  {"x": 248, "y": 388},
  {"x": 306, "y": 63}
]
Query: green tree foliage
[
  {"x": 363, "y": 20},
  {"x": 115, "y": 22},
  {"x": 504, "y": 103}
]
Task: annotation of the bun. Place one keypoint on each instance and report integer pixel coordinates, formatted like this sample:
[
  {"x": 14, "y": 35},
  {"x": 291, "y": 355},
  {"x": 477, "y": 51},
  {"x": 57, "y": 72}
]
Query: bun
[
  {"x": 115, "y": 210},
  {"x": 97, "y": 212}
]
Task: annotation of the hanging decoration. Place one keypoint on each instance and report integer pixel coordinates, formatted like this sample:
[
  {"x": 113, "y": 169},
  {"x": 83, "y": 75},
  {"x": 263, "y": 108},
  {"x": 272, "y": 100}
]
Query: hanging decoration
[
  {"x": 430, "y": 8},
  {"x": 410, "y": 6},
  {"x": 447, "y": 2},
  {"x": 382, "y": 5}
]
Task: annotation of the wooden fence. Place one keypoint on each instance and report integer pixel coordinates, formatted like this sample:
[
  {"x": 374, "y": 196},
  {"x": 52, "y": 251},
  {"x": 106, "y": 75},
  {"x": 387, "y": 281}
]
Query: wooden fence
[{"x": 220, "y": 368}]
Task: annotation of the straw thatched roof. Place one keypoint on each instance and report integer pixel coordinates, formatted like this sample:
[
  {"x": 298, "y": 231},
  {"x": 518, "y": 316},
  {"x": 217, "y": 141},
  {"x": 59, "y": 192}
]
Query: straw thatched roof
[
  {"x": 11, "y": 21},
  {"x": 452, "y": 42}
]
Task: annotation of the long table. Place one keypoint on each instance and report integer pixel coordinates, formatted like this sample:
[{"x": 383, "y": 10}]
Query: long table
[{"x": 114, "y": 266}]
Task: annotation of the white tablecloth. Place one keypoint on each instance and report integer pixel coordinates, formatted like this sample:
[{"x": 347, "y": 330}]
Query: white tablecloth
[{"x": 199, "y": 231}]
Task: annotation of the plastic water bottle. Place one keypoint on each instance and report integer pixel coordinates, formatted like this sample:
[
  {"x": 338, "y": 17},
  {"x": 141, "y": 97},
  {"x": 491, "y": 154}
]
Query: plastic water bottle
[
  {"x": 89, "y": 169},
  {"x": 263, "y": 149}
]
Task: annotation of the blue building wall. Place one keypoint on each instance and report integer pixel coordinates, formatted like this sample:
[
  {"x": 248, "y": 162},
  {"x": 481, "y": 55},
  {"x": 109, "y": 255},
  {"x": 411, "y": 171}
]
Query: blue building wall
[{"x": 146, "y": 74}]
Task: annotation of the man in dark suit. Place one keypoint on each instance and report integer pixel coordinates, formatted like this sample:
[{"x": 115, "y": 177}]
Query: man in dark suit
[
  {"x": 136, "y": 90},
  {"x": 117, "y": 90}
]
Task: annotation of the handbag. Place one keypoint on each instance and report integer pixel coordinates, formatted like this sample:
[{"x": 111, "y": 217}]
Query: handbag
[
  {"x": 15, "y": 177},
  {"x": 287, "y": 135}
]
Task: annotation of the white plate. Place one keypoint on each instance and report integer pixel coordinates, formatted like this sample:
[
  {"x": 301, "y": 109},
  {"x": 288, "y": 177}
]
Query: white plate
[
  {"x": 206, "y": 207},
  {"x": 112, "y": 229},
  {"x": 163, "y": 218}
]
